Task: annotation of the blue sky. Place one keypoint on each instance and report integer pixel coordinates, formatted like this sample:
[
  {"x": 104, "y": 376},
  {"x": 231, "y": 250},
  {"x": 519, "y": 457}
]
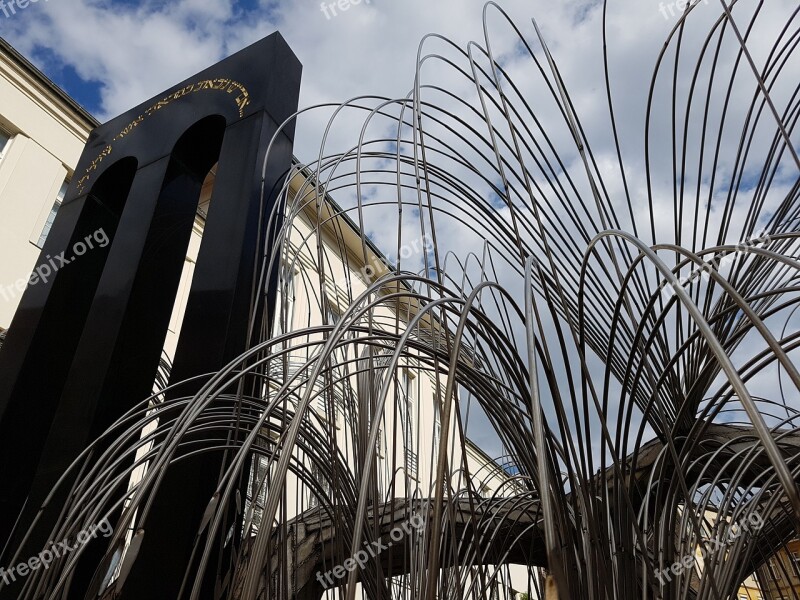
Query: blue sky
[
  {"x": 112, "y": 55},
  {"x": 86, "y": 93}
]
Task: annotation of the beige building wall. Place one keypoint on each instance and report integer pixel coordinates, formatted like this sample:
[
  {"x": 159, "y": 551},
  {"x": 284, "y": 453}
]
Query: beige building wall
[
  {"x": 46, "y": 132},
  {"x": 779, "y": 578}
]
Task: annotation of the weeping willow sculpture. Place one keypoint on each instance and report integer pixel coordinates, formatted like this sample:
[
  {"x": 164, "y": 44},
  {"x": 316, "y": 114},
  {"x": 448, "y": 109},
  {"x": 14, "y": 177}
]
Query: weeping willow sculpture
[{"x": 622, "y": 321}]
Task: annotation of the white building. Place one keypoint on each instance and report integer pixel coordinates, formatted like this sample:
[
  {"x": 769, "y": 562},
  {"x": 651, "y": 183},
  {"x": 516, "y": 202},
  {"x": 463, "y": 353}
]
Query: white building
[{"x": 42, "y": 134}]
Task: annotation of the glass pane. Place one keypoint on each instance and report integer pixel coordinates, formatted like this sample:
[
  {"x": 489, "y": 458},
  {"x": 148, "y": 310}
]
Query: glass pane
[
  {"x": 285, "y": 298},
  {"x": 48, "y": 224},
  {"x": 4, "y": 137},
  {"x": 62, "y": 192}
]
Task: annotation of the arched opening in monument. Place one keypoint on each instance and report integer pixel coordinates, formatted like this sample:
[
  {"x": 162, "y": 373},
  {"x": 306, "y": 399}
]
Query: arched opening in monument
[
  {"x": 53, "y": 339},
  {"x": 168, "y": 264},
  {"x": 187, "y": 276},
  {"x": 176, "y": 228}
]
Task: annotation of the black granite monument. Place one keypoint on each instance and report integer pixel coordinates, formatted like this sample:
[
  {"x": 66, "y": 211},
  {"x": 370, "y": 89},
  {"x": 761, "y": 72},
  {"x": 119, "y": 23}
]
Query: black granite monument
[{"x": 84, "y": 346}]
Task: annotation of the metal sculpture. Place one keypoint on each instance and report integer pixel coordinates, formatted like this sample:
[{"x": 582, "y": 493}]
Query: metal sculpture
[{"x": 632, "y": 349}]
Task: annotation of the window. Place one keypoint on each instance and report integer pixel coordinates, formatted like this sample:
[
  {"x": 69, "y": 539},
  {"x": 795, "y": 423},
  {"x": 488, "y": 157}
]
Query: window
[
  {"x": 48, "y": 224},
  {"x": 379, "y": 457},
  {"x": 322, "y": 406},
  {"x": 437, "y": 423},
  {"x": 317, "y": 475},
  {"x": 407, "y": 404},
  {"x": 4, "y": 139},
  {"x": 331, "y": 311},
  {"x": 285, "y": 299},
  {"x": 412, "y": 463},
  {"x": 408, "y": 397},
  {"x": 257, "y": 489},
  {"x": 379, "y": 443},
  {"x": 438, "y": 403}
]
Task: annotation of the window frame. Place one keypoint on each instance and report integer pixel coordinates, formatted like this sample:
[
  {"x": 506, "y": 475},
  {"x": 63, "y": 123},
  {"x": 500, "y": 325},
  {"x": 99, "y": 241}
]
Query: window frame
[
  {"x": 4, "y": 147},
  {"x": 795, "y": 557},
  {"x": 409, "y": 398},
  {"x": 286, "y": 297},
  {"x": 48, "y": 222}
]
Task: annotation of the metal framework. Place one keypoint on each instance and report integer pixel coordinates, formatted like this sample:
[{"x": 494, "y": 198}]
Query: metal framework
[{"x": 623, "y": 320}]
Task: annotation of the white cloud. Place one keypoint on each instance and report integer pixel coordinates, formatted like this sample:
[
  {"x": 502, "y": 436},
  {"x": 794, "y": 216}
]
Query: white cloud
[{"x": 138, "y": 50}]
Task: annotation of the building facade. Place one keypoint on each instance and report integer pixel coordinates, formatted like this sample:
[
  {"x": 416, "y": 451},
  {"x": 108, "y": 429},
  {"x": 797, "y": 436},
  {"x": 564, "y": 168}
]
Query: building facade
[
  {"x": 780, "y": 576},
  {"x": 42, "y": 134}
]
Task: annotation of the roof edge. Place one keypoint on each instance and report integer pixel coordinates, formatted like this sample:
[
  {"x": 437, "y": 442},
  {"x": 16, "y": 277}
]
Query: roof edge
[{"x": 48, "y": 83}]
